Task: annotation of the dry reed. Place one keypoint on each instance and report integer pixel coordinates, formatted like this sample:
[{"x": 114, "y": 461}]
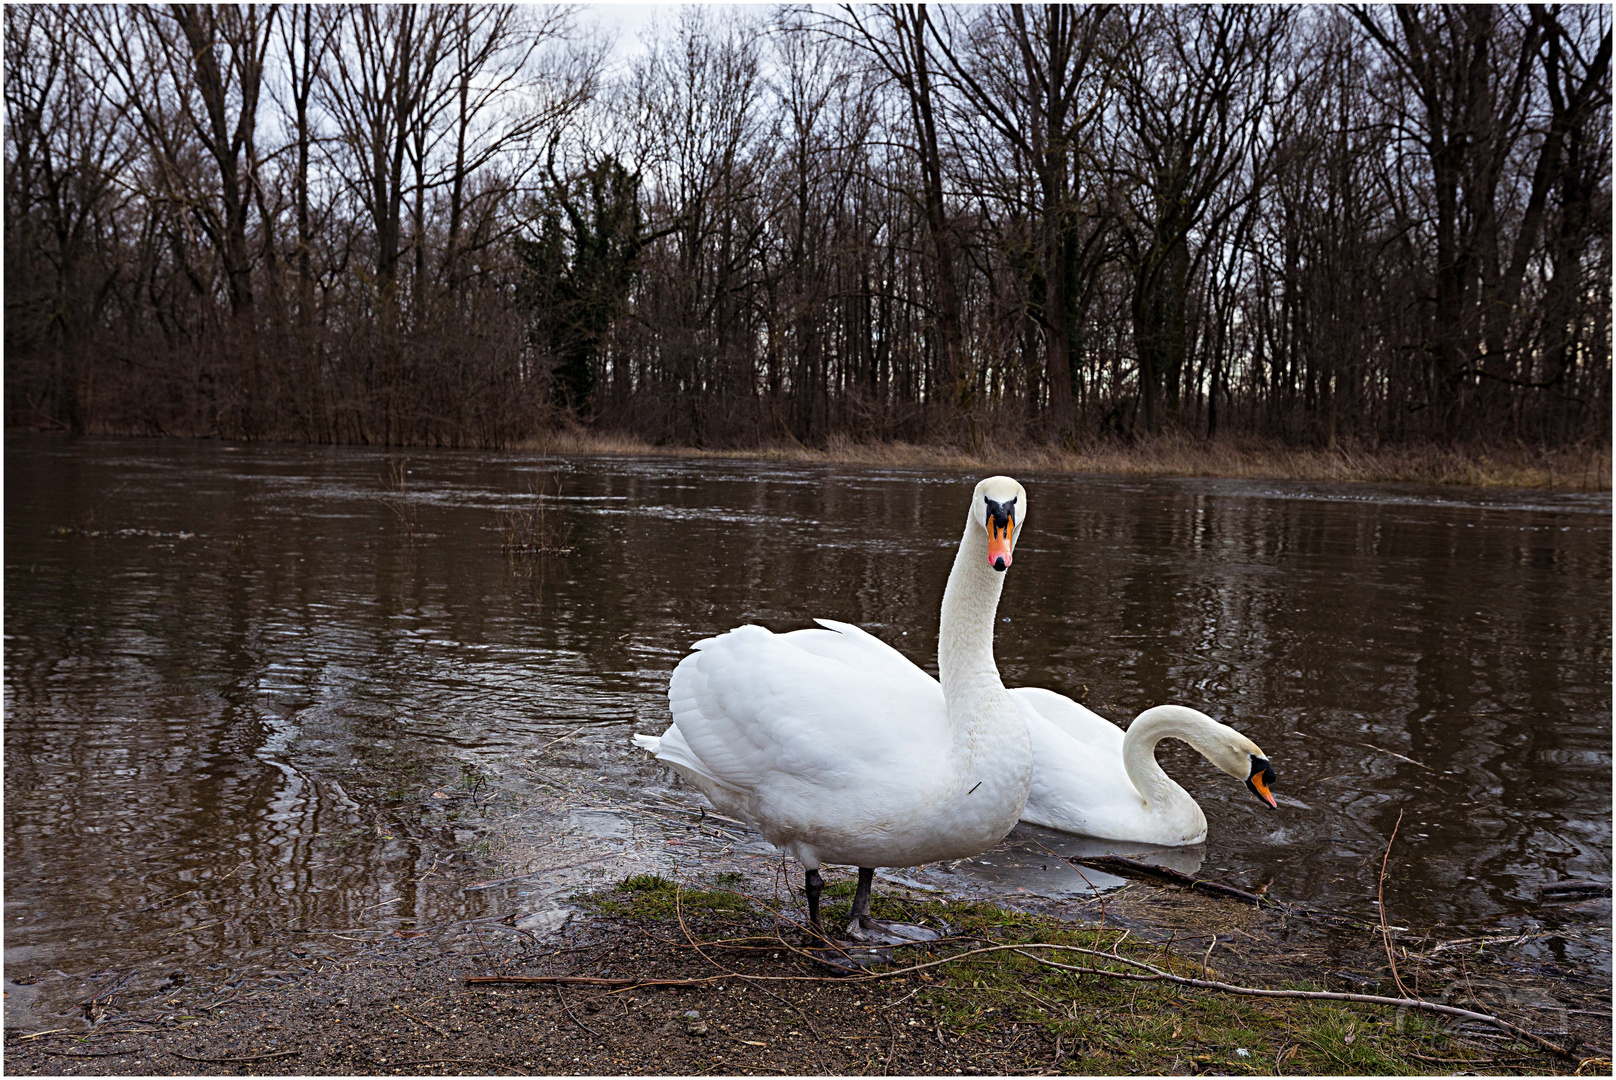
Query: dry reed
[
  {"x": 534, "y": 531},
  {"x": 1573, "y": 468}
]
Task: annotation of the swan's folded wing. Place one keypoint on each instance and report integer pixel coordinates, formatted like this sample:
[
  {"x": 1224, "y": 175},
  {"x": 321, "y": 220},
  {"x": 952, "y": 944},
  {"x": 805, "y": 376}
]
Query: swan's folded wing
[
  {"x": 1072, "y": 719},
  {"x": 866, "y": 654},
  {"x": 755, "y": 706},
  {"x": 1077, "y": 787}
]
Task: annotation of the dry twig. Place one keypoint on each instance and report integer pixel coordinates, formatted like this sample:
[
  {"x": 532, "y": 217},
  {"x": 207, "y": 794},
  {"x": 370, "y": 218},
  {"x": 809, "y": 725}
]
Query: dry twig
[
  {"x": 1380, "y": 903},
  {"x": 236, "y": 1060},
  {"x": 462, "y": 1061},
  {"x": 562, "y": 998}
]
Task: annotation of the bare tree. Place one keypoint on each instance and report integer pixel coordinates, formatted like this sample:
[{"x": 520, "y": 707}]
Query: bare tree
[
  {"x": 1036, "y": 83},
  {"x": 1193, "y": 92},
  {"x": 896, "y": 37},
  {"x": 67, "y": 149}
]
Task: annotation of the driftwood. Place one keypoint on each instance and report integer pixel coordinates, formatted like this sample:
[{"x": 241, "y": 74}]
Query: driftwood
[
  {"x": 1574, "y": 887},
  {"x": 1216, "y": 888}
]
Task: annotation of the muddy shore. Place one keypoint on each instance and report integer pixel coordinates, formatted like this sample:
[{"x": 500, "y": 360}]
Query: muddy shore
[{"x": 399, "y": 1004}]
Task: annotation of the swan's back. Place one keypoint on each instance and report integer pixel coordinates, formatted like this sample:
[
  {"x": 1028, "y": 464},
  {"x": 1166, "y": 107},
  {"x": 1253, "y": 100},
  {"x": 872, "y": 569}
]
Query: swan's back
[
  {"x": 1073, "y": 720},
  {"x": 1080, "y": 783}
]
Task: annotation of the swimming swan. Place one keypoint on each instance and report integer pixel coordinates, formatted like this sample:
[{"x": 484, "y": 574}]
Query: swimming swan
[
  {"x": 838, "y": 749},
  {"x": 1090, "y": 778}
]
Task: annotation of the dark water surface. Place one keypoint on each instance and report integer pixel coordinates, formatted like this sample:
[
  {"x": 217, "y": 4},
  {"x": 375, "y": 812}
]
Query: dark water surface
[{"x": 206, "y": 643}]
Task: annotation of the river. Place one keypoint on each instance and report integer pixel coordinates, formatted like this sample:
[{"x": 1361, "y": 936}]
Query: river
[{"x": 219, "y": 658}]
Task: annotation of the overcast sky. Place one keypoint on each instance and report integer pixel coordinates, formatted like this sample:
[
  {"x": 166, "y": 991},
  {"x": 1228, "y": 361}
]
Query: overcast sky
[
  {"x": 629, "y": 22},
  {"x": 626, "y": 21}
]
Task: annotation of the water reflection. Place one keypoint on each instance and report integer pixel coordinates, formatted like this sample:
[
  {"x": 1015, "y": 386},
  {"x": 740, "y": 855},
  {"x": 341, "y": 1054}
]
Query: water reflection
[{"x": 220, "y": 662}]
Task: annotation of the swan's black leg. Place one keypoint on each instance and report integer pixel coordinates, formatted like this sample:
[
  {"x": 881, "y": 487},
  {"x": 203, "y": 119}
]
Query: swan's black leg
[
  {"x": 815, "y": 886},
  {"x": 861, "y": 898},
  {"x": 863, "y": 927}
]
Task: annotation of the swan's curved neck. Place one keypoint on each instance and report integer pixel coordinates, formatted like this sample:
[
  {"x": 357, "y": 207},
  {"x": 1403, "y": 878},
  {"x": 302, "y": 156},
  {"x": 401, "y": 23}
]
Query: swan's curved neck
[
  {"x": 965, "y": 663},
  {"x": 1139, "y": 751}
]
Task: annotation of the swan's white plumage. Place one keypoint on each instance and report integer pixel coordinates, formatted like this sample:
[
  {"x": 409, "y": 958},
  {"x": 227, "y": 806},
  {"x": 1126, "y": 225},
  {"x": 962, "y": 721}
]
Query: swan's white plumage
[
  {"x": 755, "y": 706},
  {"x": 837, "y": 748}
]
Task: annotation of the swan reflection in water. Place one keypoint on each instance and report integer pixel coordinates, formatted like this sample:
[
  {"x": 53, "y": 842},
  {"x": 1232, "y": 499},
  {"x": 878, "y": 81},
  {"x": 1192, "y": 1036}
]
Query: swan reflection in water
[{"x": 1033, "y": 860}]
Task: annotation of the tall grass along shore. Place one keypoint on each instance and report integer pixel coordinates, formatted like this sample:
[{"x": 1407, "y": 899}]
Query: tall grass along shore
[{"x": 1572, "y": 468}]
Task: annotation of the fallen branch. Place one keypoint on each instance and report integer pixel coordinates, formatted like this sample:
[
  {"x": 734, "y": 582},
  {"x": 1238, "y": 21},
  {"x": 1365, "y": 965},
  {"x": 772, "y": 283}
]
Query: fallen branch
[
  {"x": 1574, "y": 887},
  {"x": 1216, "y": 888},
  {"x": 589, "y": 980},
  {"x": 1118, "y": 862},
  {"x": 110, "y": 1053}
]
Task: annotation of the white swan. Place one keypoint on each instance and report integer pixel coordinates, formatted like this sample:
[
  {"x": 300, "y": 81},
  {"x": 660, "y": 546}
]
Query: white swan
[
  {"x": 1090, "y": 778},
  {"x": 838, "y": 749}
]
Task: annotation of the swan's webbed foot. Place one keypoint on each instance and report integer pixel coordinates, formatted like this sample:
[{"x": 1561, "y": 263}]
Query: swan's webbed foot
[
  {"x": 866, "y": 928},
  {"x": 881, "y": 932}
]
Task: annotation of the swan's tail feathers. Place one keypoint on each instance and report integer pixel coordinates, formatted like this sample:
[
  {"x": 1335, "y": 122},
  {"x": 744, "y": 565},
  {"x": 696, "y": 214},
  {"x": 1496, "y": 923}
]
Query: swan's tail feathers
[{"x": 671, "y": 747}]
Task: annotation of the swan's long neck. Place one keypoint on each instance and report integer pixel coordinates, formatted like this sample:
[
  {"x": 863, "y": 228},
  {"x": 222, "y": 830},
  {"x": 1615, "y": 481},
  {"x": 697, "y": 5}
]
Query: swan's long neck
[
  {"x": 1150, "y": 727},
  {"x": 965, "y": 663}
]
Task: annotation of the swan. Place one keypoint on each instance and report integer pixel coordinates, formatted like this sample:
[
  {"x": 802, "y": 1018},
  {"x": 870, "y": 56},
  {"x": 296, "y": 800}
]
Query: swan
[
  {"x": 1090, "y": 778},
  {"x": 838, "y": 749}
]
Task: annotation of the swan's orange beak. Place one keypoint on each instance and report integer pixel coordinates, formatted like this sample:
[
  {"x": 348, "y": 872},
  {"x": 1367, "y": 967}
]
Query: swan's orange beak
[
  {"x": 999, "y": 543},
  {"x": 1262, "y": 774}
]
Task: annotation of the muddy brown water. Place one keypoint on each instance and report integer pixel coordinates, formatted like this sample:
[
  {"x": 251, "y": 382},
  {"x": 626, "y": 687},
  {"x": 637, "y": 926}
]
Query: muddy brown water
[{"x": 218, "y": 657}]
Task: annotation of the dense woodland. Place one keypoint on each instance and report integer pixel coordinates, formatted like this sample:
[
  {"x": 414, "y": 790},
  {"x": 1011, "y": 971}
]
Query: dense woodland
[{"x": 469, "y": 225}]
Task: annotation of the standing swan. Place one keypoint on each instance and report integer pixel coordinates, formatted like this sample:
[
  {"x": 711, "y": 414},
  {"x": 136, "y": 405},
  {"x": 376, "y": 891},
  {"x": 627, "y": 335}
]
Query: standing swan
[
  {"x": 1094, "y": 780},
  {"x": 838, "y": 749}
]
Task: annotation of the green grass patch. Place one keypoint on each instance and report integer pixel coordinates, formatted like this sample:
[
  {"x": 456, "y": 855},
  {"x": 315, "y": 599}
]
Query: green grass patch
[
  {"x": 649, "y": 896},
  {"x": 1110, "y": 1026},
  {"x": 1102, "y": 1025}
]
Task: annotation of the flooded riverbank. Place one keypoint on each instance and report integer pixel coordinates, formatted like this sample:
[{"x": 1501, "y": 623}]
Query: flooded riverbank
[{"x": 237, "y": 677}]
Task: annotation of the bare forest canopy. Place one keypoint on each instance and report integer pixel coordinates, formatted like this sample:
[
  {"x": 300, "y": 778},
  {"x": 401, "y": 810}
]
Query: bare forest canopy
[{"x": 468, "y": 225}]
